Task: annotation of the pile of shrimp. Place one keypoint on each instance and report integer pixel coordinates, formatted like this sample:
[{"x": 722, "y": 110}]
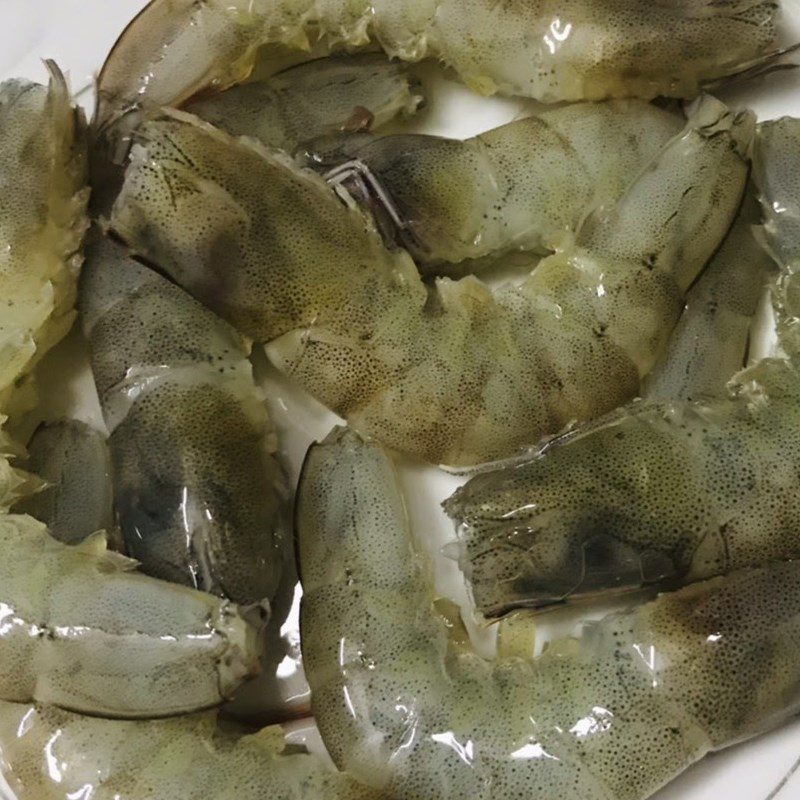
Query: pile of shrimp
[{"x": 620, "y": 430}]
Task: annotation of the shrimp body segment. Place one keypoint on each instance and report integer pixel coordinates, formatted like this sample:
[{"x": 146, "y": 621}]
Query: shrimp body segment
[
  {"x": 552, "y": 50},
  {"x": 73, "y": 461},
  {"x": 454, "y": 373},
  {"x": 83, "y": 631},
  {"x": 615, "y": 714},
  {"x": 199, "y": 495},
  {"x": 43, "y": 198},
  {"x": 512, "y": 188},
  {"x": 319, "y": 98},
  {"x": 175, "y": 759},
  {"x": 710, "y": 343}
]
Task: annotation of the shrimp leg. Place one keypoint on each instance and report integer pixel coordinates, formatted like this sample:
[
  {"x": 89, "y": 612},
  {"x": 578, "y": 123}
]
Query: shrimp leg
[
  {"x": 455, "y": 373},
  {"x": 199, "y": 495},
  {"x": 615, "y": 714},
  {"x": 177, "y": 759}
]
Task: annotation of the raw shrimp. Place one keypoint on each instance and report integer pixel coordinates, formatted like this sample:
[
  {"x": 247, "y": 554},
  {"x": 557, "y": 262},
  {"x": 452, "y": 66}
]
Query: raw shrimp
[
  {"x": 710, "y": 343},
  {"x": 548, "y": 49},
  {"x": 453, "y": 373},
  {"x": 177, "y": 759},
  {"x": 672, "y": 491},
  {"x": 73, "y": 461},
  {"x": 43, "y": 198},
  {"x": 80, "y": 629},
  {"x": 315, "y": 99},
  {"x": 512, "y": 188},
  {"x": 199, "y": 494},
  {"x": 615, "y": 714}
]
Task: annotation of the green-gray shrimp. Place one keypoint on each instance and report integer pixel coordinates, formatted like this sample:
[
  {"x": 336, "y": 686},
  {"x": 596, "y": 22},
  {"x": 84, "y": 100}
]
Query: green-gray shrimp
[
  {"x": 453, "y": 373},
  {"x": 552, "y": 50},
  {"x": 319, "y": 98},
  {"x": 199, "y": 495},
  {"x": 80, "y": 629},
  {"x": 616, "y": 713},
  {"x": 43, "y": 198},
  {"x": 176, "y": 759},
  {"x": 671, "y": 491},
  {"x": 513, "y": 188}
]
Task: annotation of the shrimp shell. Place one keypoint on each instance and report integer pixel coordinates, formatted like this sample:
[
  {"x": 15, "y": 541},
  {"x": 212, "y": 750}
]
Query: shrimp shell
[
  {"x": 198, "y": 491},
  {"x": 82, "y": 630},
  {"x": 189, "y": 758}
]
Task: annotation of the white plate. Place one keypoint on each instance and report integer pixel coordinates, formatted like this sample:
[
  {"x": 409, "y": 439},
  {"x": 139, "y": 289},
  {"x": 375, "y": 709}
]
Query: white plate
[{"x": 78, "y": 34}]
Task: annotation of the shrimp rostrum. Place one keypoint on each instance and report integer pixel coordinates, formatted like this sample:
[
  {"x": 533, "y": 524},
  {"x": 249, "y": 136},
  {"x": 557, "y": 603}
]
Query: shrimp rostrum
[
  {"x": 671, "y": 491},
  {"x": 454, "y": 373},
  {"x": 616, "y": 713},
  {"x": 548, "y": 49}
]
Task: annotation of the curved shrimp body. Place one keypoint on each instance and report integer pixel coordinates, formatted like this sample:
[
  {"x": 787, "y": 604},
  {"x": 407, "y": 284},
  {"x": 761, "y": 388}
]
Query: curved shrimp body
[
  {"x": 455, "y": 373},
  {"x": 548, "y": 49},
  {"x": 83, "y": 631},
  {"x": 318, "y": 98},
  {"x": 42, "y": 220},
  {"x": 198, "y": 492},
  {"x": 776, "y": 170},
  {"x": 73, "y": 461},
  {"x": 710, "y": 342},
  {"x": 615, "y": 714},
  {"x": 674, "y": 490},
  {"x": 512, "y": 188},
  {"x": 175, "y": 759}
]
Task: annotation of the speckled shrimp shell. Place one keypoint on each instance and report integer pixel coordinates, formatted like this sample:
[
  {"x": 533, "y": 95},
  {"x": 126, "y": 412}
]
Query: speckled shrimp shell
[
  {"x": 200, "y": 497},
  {"x": 76, "y": 500},
  {"x": 189, "y": 758},
  {"x": 513, "y": 188},
  {"x": 548, "y": 49},
  {"x": 674, "y": 491},
  {"x": 82, "y": 630},
  {"x": 617, "y": 713},
  {"x": 711, "y": 342},
  {"x": 454, "y": 373},
  {"x": 318, "y": 98},
  {"x": 43, "y": 199}
]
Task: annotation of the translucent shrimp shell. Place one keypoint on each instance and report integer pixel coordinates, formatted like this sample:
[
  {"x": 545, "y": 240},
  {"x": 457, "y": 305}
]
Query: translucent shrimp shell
[{"x": 42, "y": 220}]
